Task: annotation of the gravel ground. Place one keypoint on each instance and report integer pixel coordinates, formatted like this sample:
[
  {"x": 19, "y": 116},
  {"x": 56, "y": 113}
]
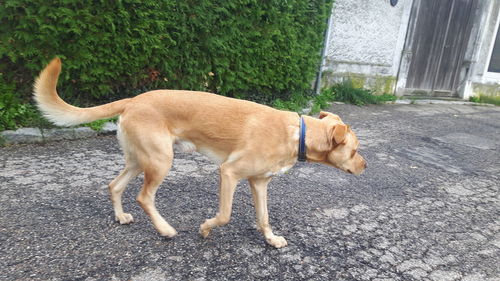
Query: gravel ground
[{"x": 427, "y": 208}]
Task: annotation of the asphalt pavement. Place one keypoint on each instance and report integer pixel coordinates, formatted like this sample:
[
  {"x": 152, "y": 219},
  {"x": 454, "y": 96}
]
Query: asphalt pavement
[{"x": 427, "y": 208}]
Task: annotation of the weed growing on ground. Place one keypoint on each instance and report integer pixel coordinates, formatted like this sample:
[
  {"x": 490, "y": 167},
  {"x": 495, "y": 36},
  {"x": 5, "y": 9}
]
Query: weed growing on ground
[
  {"x": 486, "y": 99},
  {"x": 343, "y": 92},
  {"x": 99, "y": 124},
  {"x": 347, "y": 93},
  {"x": 296, "y": 102}
]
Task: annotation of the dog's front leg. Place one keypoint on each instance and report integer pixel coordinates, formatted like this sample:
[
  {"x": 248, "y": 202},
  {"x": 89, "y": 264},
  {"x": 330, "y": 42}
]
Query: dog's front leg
[
  {"x": 259, "y": 193},
  {"x": 228, "y": 182}
]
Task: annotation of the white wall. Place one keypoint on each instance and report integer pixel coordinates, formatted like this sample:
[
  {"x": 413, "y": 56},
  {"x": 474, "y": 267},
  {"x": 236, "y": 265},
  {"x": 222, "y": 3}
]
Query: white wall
[{"x": 367, "y": 38}]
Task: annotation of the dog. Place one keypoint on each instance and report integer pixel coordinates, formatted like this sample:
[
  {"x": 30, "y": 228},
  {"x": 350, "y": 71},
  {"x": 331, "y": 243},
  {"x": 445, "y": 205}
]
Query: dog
[{"x": 247, "y": 140}]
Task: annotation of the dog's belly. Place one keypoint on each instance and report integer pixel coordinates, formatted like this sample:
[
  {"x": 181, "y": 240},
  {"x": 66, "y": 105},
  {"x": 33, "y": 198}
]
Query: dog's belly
[
  {"x": 184, "y": 146},
  {"x": 187, "y": 146},
  {"x": 212, "y": 155}
]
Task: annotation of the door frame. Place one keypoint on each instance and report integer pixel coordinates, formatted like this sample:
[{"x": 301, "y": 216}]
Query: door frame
[
  {"x": 407, "y": 55},
  {"x": 487, "y": 74}
]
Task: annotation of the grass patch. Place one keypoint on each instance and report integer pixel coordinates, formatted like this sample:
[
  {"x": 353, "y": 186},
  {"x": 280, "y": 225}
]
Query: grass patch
[
  {"x": 347, "y": 93},
  {"x": 99, "y": 124},
  {"x": 296, "y": 102},
  {"x": 486, "y": 99},
  {"x": 343, "y": 92},
  {"x": 322, "y": 101}
]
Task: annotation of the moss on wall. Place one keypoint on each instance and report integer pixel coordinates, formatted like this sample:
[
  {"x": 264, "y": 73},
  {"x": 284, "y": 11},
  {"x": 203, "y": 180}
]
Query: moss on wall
[
  {"x": 379, "y": 84},
  {"x": 358, "y": 81},
  {"x": 491, "y": 90}
]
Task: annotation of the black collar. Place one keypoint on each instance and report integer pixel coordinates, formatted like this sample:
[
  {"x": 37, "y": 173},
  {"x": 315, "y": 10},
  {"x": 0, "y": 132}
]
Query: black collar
[{"x": 302, "y": 141}]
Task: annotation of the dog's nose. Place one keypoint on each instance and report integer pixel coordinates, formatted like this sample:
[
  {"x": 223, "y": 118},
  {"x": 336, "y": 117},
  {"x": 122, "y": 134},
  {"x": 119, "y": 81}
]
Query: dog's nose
[{"x": 366, "y": 165}]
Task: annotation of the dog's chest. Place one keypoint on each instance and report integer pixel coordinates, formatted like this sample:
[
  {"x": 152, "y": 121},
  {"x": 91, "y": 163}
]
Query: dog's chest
[{"x": 279, "y": 170}]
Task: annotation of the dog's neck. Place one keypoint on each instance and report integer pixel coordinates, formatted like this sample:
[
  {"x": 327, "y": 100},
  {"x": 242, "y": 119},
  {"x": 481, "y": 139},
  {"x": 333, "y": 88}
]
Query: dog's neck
[{"x": 317, "y": 142}]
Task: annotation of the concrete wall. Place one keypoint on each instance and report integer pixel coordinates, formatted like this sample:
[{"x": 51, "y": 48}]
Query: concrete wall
[{"x": 365, "y": 43}]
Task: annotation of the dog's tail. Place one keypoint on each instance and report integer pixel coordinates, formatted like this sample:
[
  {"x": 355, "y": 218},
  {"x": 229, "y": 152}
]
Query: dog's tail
[{"x": 61, "y": 113}]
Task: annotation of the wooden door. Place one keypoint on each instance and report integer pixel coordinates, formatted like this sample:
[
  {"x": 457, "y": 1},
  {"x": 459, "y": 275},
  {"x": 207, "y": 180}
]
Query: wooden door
[{"x": 438, "y": 35}]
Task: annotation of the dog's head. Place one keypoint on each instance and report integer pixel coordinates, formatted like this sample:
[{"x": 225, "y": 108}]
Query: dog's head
[{"x": 338, "y": 147}]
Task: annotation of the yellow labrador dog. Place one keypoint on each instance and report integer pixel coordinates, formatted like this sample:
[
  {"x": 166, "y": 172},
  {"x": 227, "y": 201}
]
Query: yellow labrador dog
[{"x": 248, "y": 141}]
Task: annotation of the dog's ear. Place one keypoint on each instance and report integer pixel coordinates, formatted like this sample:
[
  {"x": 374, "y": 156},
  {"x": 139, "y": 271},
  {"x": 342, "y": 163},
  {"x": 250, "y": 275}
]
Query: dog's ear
[
  {"x": 339, "y": 133},
  {"x": 324, "y": 114}
]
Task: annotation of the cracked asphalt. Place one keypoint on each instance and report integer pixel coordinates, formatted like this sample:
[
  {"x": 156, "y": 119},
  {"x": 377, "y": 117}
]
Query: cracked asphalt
[{"x": 427, "y": 208}]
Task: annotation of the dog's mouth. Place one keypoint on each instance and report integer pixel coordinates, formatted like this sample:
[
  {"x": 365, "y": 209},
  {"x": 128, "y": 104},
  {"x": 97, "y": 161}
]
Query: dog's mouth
[{"x": 349, "y": 171}]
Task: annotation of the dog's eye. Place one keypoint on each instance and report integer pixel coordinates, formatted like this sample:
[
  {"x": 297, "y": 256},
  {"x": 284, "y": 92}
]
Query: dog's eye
[{"x": 353, "y": 153}]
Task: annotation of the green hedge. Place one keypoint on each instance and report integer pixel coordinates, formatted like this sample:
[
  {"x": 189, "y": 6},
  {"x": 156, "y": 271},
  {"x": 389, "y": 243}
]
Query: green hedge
[{"x": 261, "y": 50}]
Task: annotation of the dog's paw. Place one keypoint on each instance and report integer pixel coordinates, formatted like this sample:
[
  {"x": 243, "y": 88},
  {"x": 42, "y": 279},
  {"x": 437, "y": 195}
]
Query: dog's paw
[
  {"x": 124, "y": 218},
  {"x": 204, "y": 231},
  {"x": 277, "y": 241},
  {"x": 167, "y": 231}
]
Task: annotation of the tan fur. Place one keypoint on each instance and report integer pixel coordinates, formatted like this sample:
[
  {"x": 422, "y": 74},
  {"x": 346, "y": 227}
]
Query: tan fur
[{"x": 248, "y": 140}]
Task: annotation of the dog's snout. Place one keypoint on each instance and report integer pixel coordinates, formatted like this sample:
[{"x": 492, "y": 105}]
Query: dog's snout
[{"x": 365, "y": 165}]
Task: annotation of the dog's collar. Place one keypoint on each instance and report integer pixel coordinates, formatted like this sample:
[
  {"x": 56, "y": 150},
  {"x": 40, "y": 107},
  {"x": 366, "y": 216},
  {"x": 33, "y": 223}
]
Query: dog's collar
[{"x": 302, "y": 141}]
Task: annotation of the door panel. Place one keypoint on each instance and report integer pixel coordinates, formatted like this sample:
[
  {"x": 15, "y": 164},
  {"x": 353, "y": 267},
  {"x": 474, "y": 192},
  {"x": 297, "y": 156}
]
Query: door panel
[{"x": 438, "y": 35}]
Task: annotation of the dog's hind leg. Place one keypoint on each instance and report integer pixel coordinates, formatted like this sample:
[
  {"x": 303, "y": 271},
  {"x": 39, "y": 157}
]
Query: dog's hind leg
[
  {"x": 118, "y": 185},
  {"x": 155, "y": 158},
  {"x": 116, "y": 188},
  {"x": 259, "y": 193}
]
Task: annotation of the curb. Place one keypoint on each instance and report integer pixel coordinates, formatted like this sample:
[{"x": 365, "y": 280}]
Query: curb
[
  {"x": 39, "y": 135},
  {"x": 427, "y": 101}
]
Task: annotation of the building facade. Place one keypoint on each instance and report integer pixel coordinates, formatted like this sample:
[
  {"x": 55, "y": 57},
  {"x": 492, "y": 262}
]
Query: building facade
[{"x": 445, "y": 48}]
